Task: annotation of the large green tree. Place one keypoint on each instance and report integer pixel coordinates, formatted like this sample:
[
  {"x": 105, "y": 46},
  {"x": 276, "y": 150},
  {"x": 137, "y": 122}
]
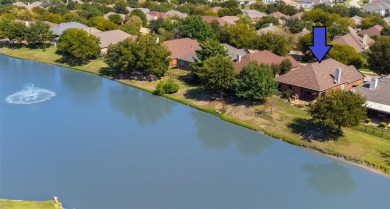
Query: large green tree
[
  {"x": 277, "y": 43},
  {"x": 255, "y": 81},
  {"x": 17, "y": 31},
  {"x": 77, "y": 44},
  {"x": 141, "y": 56},
  {"x": 194, "y": 27},
  {"x": 102, "y": 24},
  {"x": 39, "y": 33},
  {"x": 339, "y": 109},
  {"x": 379, "y": 56},
  {"x": 372, "y": 20},
  {"x": 337, "y": 30},
  {"x": 217, "y": 74},
  {"x": 346, "y": 54},
  {"x": 238, "y": 35}
]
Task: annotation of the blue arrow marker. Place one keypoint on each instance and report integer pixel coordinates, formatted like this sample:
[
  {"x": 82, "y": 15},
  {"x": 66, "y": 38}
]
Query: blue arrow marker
[{"x": 319, "y": 47}]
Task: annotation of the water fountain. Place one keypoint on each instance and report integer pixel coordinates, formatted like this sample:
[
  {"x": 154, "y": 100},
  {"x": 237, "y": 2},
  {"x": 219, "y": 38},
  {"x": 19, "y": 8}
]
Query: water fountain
[{"x": 30, "y": 95}]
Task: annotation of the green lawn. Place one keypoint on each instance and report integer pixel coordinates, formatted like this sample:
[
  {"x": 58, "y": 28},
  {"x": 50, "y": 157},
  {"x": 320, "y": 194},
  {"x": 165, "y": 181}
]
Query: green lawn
[
  {"x": 367, "y": 72},
  {"x": 286, "y": 122},
  {"x": 17, "y": 204}
]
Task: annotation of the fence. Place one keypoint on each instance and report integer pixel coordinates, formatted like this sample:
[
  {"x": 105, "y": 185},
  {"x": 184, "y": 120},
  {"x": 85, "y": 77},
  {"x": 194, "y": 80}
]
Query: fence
[{"x": 373, "y": 131}]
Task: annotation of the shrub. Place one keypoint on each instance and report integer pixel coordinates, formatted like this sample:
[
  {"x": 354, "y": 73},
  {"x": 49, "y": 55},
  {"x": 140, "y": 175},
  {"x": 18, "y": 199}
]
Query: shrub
[
  {"x": 383, "y": 124},
  {"x": 287, "y": 94},
  {"x": 367, "y": 120},
  {"x": 166, "y": 87},
  {"x": 300, "y": 105}
]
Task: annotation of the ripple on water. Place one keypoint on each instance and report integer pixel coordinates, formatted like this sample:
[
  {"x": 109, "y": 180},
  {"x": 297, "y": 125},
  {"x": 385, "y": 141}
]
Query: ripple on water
[{"x": 30, "y": 95}]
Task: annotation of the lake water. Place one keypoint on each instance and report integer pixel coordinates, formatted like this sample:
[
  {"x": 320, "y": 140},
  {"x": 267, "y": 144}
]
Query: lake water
[{"x": 98, "y": 144}]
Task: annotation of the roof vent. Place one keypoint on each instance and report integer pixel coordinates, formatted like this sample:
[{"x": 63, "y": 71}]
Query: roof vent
[{"x": 373, "y": 83}]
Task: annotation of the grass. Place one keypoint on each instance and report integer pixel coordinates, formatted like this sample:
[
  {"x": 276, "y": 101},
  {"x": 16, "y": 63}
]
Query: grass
[
  {"x": 18, "y": 204},
  {"x": 286, "y": 122},
  {"x": 374, "y": 131},
  {"x": 367, "y": 72}
]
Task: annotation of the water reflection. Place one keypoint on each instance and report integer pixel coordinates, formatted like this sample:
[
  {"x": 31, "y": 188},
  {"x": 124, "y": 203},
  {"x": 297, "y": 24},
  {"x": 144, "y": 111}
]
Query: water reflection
[
  {"x": 81, "y": 83},
  {"x": 219, "y": 135},
  {"x": 133, "y": 102},
  {"x": 330, "y": 179}
]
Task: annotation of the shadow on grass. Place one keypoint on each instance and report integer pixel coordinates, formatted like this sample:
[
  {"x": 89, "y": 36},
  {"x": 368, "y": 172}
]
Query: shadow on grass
[
  {"x": 11, "y": 45},
  {"x": 386, "y": 155},
  {"x": 65, "y": 59},
  {"x": 200, "y": 94},
  {"x": 110, "y": 73},
  {"x": 309, "y": 130}
]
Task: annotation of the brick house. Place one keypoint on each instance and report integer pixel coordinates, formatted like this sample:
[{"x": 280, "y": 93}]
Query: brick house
[
  {"x": 181, "y": 48},
  {"x": 317, "y": 79}
]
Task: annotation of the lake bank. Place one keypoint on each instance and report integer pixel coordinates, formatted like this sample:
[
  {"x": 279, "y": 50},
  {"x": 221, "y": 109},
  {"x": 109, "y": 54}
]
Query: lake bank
[
  {"x": 291, "y": 124},
  {"x": 24, "y": 204}
]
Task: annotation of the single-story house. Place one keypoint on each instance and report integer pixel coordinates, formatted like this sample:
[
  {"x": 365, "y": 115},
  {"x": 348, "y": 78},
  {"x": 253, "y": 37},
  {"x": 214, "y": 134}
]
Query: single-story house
[
  {"x": 358, "y": 43},
  {"x": 92, "y": 30},
  {"x": 254, "y": 15},
  {"x": 373, "y": 31},
  {"x": 173, "y": 13},
  {"x": 377, "y": 93},
  {"x": 268, "y": 1},
  {"x": 230, "y": 20},
  {"x": 262, "y": 57},
  {"x": 211, "y": 19},
  {"x": 155, "y": 15},
  {"x": 317, "y": 79},
  {"x": 216, "y": 9},
  {"x": 271, "y": 28},
  {"x": 28, "y": 6},
  {"x": 184, "y": 62},
  {"x": 246, "y": 2},
  {"x": 387, "y": 19},
  {"x": 112, "y": 37},
  {"x": 379, "y": 6},
  {"x": 180, "y": 48},
  {"x": 60, "y": 28},
  {"x": 297, "y": 16},
  {"x": 235, "y": 53},
  {"x": 279, "y": 15},
  {"x": 123, "y": 17},
  {"x": 356, "y": 19}
]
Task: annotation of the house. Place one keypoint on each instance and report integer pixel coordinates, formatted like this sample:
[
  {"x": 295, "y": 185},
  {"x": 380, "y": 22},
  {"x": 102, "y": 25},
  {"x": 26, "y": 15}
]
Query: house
[
  {"x": 180, "y": 48},
  {"x": 387, "y": 20},
  {"x": 111, "y": 37},
  {"x": 378, "y": 6},
  {"x": 268, "y": 1},
  {"x": 211, "y": 19},
  {"x": 92, "y": 30},
  {"x": 377, "y": 95},
  {"x": 235, "y": 53},
  {"x": 254, "y": 15},
  {"x": 356, "y": 19},
  {"x": 373, "y": 31},
  {"x": 216, "y": 9},
  {"x": 318, "y": 79},
  {"x": 358, "y": 43},
  {"x": 230, "y": 20},
  {"x": 291, "y": 3},
  {"x": 246, "y": 2},
  {"x": 271, "y": 28},
  {"x": 305, "y": 3},
  {"x": 279, "y": 15},
  {"x": 300, "y": 34},
  {"x": 155, "y": 15},
  {"x": 28, "y": 6},
  {"x": 297, "y": 16},
  {"x": 123, "y": 17},
  {"x": 174, "y": 13},
  {"x": 261, "y": 57},
  {"x": 60, "y": 28},
  {"x": 184, "y": 62}
]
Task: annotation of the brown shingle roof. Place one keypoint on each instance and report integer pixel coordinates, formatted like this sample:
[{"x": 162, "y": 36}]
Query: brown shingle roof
[
  {"x": 230, "y": 20},
  {"x": 353, "y": 40},
  {"x": 181, "y": 47},
  {"x": 320, "y": 76},
  {"x": 158, "y": 14},
  {"x": 263, "y": 57},
  {"x": 210, "y": 19},
  {"x": 278, "y": 15},
  {"x": 373, "y": 31},
  {"x": 112, "y": 37}
]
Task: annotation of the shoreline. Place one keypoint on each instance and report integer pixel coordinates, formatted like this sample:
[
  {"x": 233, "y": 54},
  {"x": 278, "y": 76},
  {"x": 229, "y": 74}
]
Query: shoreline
[{"x": 375, "y": 168}]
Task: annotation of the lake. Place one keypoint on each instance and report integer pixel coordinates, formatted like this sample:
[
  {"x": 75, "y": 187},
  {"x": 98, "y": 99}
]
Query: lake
[{"x": 98, "y": 144}]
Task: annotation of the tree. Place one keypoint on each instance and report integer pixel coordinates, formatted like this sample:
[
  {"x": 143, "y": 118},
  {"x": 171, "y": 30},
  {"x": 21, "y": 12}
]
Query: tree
[
  {"x": 320, "y": 17},
  {"x": 255, "y": 81},
  {"x": 285, "y": 66},
  {"x": 372, "y": 20},
  {"x": 79, "y": 45},
  {"x": 277, "y": 43},
  {"x": 141, "y": 56},
  {"x": 120, "y": 8},
  {"x": 39, "y": 33},
  {"x": 337, "y": 30},
  {"x": 115, "y": 18},
  {"x": 346, "y": 54},
  {"x": 385, "y": 31},
  {"x": 259, "y": 6},
  {"x": 266, "y": 21},
  {"x": 230, "y": 4},
  {"x": 297, "y": 26},
  {"x": 238, "y": 35},
  {"x": 339, "y": 109},
  {"x": 17, "y": 32},
  {"x": 58, "y": 9},
  {"x": 132, "y": 26},
  {"x": 354, "y": 11},
  {"x": 102, "y": 24},
  {"x": 155, "y": 25},
  {"x": 229, "y": 12},
  {"x": 140, "y": 14},
  {"x": 194, "y": 27},
  {"x": 217, "y": 74},
  {"x": 379, "y": 56}
]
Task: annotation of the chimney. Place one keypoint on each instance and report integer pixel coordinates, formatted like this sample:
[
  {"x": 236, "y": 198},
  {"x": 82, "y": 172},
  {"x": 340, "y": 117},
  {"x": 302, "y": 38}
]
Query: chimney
[
  {"x": 238, "y": 58},
  {"x": 270, "y": 25},
  {"x": 304, "y": 29},
  {"x": 365, "y": 37},
  {"x": 337, "y": 75},
  {"x": 27, "y": 24},
  {"x": 373, "y": 83}
]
